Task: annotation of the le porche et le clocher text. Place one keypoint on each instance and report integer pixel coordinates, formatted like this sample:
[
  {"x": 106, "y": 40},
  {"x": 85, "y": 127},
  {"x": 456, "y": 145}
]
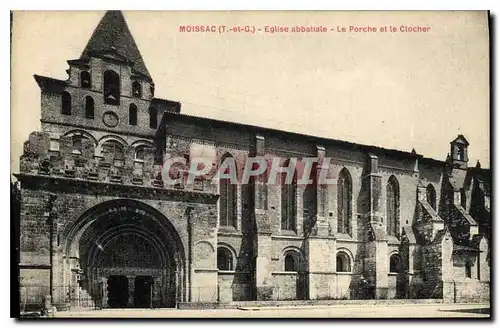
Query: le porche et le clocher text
[{"x": 273, "y": 29}]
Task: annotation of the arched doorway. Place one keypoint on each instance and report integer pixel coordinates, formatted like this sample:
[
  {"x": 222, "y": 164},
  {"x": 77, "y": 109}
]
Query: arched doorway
[{"x": 124, "y": 253}]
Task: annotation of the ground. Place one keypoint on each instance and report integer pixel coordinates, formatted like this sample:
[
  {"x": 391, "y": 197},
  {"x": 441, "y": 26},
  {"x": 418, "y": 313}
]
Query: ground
[{"x": 331, "y": 311}]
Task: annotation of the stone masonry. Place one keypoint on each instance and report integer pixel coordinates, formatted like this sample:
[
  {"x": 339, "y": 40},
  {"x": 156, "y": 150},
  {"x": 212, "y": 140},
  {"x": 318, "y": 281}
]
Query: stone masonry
[{"x": 100, "y": 228}]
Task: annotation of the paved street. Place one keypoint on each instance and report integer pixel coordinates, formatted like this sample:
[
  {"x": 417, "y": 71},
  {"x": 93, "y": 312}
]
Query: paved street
[{"x": 332, "y": 311}]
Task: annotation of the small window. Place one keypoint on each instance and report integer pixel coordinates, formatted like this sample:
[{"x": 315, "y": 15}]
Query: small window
[
  {"x": 152, "y": 90},
  {"x": 153, "y": 118},
  {"x": 132, "y": 114},
  {"x": 136, "y": 89},
  {"x": 343, "y": 262},
  {"x": 77, "y": 144},
  {"x": 291, "y": 263},
  {"x": 431, "y": 196},
  {"x": 461, "y": 153},
  {"x": 85, "y": 79},
  {"x": 54, "y": 144},
  {"x": 89, "y": 107},
  {"x": 140, "y": 152},
  {"x": 66, "y": 104},
  {"x": 224, "y": 259},
  {"x": 395, "y": 264},
  {"x": 468, "y": 269}
]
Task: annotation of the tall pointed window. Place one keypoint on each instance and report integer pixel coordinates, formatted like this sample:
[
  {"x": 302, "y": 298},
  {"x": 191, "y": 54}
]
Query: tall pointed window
[
  {"x": 89, "y": 107},
  {"x": 66, "y": 103},
  {"x": 136, "y": 89},
  {"x": 85, "y": 79},
  {"x": 344, "y": 197},
  {"x": 288, "y": 201},
  {"x": 153, "y": 118},
  {"x": 431, "y": 196},
  {"x": 111, "y": 88},
  {"x": 392, "y": 207},
  {"x": 227, "y": 200},
  {"x": 132, "y": 114},
  {"x": 463, "y": 198}
]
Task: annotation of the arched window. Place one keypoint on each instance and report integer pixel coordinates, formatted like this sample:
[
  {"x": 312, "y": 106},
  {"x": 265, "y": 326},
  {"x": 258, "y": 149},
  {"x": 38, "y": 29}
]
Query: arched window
[
  {"x": 344, "y": 197},
  {"x": 343, "y": 262},
  {"x": 89, "y": 107},
  {"x": 288, "y": 201},
  {"x": 468, "y": 269},
  {"x": 112, "y": 150},
  {"x": 395, "y": 264},
  {"x": 460, "y": 152},
  {"x": 111, "y": 88},
  {"x": 224, "y": 259},
  {"x": 85, "y": 79},
  {"x": 291, "y": 263},
  {"x": 66, "y": 103},
  {"x": 227, "y": 200},
  {"x": 153, "y": 118},
  {"x": 136, "y": 89},
  {"x": 392, "y": 207},
  {"x": 431, "y": 196},
  {"x": 132, "y": 114}
]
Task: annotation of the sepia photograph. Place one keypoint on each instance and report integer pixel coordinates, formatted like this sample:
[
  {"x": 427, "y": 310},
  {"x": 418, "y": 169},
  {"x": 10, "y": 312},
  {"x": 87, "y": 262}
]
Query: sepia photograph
[{"x": 250, "y": 164}]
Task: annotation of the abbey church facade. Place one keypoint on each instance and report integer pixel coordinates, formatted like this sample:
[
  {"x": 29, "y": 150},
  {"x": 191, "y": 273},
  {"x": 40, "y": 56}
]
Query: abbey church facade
[{"x": 100, "y": 228}]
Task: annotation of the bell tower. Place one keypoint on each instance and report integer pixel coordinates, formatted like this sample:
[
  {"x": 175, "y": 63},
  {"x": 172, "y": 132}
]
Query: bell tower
[
  {"x": 109, "y": 88},
  {"x": 459, "y": 156}
]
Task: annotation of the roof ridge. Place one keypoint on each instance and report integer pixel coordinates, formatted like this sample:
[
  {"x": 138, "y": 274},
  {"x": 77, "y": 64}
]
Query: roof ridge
[{"x": 113, "y": 34}]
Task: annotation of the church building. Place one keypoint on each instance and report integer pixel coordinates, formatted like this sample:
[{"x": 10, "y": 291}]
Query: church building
[{"x": 100, "y": 228}]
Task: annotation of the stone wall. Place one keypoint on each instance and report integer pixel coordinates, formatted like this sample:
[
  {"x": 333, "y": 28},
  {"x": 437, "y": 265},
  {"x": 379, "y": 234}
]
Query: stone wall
[{"x": 257, "y": 240}]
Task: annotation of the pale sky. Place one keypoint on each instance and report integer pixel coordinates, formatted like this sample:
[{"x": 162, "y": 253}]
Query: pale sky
[{"x": 394, "y": 90}]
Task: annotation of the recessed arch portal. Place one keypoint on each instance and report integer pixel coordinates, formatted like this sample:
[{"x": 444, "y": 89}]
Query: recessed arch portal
[{"x": 126, "y": 238}]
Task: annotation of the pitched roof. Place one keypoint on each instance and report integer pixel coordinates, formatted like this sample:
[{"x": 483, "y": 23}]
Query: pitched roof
[
  {"x": 113, "y": 35},
  {"x": 460, "y": 139},
  {"x": 211, "y": 122},
  {"x": 483, "y": 176}
]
